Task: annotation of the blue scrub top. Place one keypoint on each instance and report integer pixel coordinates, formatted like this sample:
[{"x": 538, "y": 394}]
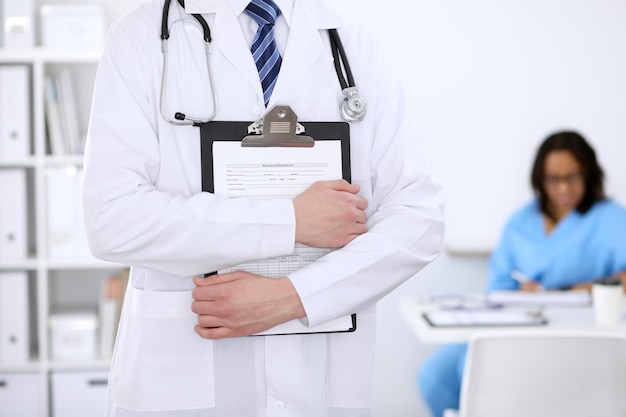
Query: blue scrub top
[{"x": 581, "y": 248}]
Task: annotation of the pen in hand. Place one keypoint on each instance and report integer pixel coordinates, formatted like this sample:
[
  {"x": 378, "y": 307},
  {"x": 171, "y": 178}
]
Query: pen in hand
[{"x": 526, "y": 283}]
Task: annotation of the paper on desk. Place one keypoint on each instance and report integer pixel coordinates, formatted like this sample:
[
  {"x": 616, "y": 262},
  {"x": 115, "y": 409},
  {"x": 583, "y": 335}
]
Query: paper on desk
[
  {"x": 496, "y": 317},
  {"x": 549, "y": 298}
]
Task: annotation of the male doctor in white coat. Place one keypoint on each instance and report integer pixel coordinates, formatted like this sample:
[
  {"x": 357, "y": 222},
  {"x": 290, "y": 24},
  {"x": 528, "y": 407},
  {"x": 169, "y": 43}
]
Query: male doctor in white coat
[{"x": 182, "y": 348}]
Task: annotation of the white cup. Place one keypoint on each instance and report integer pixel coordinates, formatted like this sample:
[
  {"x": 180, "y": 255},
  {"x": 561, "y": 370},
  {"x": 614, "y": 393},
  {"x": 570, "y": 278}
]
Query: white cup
[{"x": 607, "y": 302}]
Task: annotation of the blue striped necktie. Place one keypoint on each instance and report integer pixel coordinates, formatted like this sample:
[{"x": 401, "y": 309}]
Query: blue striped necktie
[{"x": 264, "y": 50}]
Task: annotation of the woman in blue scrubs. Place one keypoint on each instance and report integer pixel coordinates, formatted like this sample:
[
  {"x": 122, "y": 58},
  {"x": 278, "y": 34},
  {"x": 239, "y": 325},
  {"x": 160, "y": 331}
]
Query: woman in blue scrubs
[{"x": 569, "y": 235}]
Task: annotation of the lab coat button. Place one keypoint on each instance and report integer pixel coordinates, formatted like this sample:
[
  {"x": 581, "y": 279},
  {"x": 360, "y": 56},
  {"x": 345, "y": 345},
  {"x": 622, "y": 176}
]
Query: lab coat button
[{"x": 280, "y": 405}]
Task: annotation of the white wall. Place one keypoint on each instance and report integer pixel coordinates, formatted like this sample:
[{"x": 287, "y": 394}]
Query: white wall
[
  {"x": 489, "y": 79},
  {"x": 498, "y": 75}
]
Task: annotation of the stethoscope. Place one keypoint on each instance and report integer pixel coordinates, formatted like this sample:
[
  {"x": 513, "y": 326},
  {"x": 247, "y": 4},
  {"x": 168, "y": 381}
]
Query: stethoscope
[{"x": 352, "y": 108}]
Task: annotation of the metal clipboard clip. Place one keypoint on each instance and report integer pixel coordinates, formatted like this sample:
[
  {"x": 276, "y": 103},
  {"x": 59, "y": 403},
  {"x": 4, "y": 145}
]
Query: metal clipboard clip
[{"x": 279, "y": 127}]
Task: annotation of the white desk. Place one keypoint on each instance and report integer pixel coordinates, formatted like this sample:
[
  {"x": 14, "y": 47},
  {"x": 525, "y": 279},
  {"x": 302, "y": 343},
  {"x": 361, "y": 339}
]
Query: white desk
[{"x": 563, "y": 318}]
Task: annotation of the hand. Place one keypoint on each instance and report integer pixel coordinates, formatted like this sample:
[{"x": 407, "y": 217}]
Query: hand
[
  {"x": 531, "y": 286},
  {"x": 329, "y": 214},
  {"x": 240, "y": 303},
  {"x": 585, "y": 286}
]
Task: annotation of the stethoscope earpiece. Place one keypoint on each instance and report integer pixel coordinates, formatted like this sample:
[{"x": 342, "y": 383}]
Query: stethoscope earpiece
[{"x": 353, "y": 108}]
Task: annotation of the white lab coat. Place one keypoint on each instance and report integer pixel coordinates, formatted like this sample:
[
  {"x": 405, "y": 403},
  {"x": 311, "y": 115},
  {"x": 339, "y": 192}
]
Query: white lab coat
[{"x": 144, "y": 207}]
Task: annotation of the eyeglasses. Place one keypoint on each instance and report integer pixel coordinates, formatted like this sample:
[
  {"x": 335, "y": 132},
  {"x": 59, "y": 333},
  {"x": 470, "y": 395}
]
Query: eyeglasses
[{"x": 570, "y": 180}]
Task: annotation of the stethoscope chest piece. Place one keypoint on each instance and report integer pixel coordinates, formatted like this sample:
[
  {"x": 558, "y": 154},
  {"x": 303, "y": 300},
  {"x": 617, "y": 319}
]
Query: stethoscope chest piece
[{"x": 354, "y": 107}]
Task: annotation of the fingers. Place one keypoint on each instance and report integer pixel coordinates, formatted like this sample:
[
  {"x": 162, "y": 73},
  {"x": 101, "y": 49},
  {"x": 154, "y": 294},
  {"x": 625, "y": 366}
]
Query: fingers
[
  {"x": 340, "y": 185},
  {"x": 345, "y": 186},
  {"x": 207, "y": 288},
  {"x": 531, "y": 286},
  {"x": 359, "y": 216},
  {"x": 361, "y": 203},
  {"x": 353, "y": 198},
  {"x": 330, "y": 214},
  {"x": 358, "y": 230},
  {"x": 214, "y": 332},
  {"x": 352, "y": 189}
]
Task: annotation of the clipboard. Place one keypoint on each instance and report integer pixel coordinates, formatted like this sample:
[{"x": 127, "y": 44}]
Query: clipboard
[
  {"x": 236, "y": 131},
  {"x": 279, "y": 128}
]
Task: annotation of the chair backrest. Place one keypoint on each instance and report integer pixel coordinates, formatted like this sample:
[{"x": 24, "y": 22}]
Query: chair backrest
[{"x": 539, "y": 373}]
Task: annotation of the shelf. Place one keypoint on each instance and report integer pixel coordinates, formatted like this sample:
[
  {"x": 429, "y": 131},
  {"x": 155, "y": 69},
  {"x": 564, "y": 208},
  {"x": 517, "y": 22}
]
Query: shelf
[
  {"x": 28, "y": 367},
  {"x": 64, "y": 160},
  {"x": 80, "y": 365},
  {"x": 48, "y": 160},
  {"x": 18, "y": 264},
  {"x": 48, "y": 55},
  {"x": 73, "y": 264},
  {"x": 21, "y": 162}
]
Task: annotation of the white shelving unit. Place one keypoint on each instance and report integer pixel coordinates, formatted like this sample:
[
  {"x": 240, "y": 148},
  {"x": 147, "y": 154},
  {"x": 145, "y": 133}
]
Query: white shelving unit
[{"x": 53, "y": 284}]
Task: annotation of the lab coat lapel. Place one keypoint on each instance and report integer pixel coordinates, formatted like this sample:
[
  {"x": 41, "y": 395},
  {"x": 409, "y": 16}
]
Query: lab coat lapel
[
  {"x": 304, "y": 47},
  {"x": 230, "y": 41}
]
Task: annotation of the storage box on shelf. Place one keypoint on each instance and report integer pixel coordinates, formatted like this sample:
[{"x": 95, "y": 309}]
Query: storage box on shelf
[
  {"x": 78, "y": 394},
  {"x": 16, "y": 395}
]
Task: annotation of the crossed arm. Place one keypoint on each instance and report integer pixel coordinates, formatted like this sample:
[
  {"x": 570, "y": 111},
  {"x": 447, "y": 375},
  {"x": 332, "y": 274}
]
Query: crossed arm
[{"x": 329, "y": 214}]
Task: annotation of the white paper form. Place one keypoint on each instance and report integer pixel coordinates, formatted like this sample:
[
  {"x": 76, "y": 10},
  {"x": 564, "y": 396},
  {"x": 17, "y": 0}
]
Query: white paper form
[
  {"x": 278, "y": 172},
  {"x": 273, "y": 172}
]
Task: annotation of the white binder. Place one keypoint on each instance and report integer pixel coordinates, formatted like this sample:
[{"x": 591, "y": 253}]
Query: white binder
[
  {"x": 14, "y": 110},
  {"x": 14, "y": 334},
  {"x": 54, "y": 121},
  {"x": 69, "y": 112},
  {"x": 13, "y": 214},
  {"x": 18, "y": 22},
  {"x": 66, "y": 231}
]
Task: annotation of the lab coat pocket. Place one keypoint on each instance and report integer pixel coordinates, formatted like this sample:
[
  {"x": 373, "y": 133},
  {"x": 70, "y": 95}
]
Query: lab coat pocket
[
  {"x": 350, "y": 365},
  {"x": 166, "y": 365}
]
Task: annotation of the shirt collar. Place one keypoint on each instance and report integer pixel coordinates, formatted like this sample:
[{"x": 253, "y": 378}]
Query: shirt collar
[
  {"x": 285, "y": 6},
  {"x": 238, "y": 6},
  {"x": 318, "y": 12}
]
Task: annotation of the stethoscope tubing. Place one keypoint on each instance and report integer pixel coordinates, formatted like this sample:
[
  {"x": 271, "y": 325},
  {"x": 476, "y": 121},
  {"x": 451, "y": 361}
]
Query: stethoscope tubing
[
  {"x": 179, "y": 118},
  {"x": 339, "y": 58}
]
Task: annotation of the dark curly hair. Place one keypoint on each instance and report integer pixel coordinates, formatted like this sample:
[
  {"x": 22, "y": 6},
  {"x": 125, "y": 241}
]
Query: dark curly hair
[{"x": 574, "y": 143}]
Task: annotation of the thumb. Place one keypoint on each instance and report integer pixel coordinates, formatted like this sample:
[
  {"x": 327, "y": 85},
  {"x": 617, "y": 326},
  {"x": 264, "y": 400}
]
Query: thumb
[
  {"x": 200, "y": 281},
  {"x": 356, "y": 188},
  {"x": 212, "y": 279}
]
